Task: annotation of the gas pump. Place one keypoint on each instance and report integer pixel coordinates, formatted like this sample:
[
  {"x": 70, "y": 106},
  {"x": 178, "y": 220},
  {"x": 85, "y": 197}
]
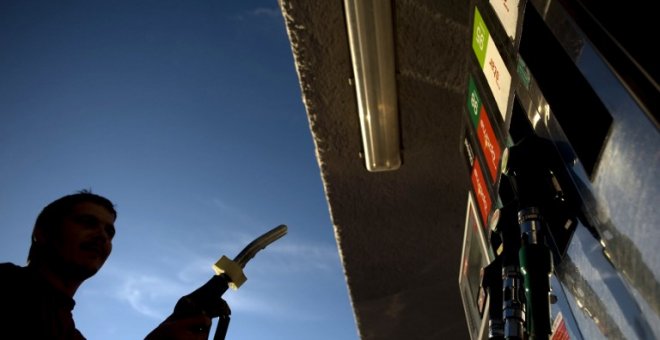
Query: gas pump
[{"x": 544, "y": 256}]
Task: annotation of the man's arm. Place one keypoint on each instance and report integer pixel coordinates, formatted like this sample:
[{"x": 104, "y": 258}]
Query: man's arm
[{"x": 191, "y": 327}]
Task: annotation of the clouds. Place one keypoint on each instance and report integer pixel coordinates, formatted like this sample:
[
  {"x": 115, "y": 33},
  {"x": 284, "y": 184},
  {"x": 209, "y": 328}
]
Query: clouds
[
  {"x": 233, "y": 214},
  {"x": 266, "y": 12},
  {"x": 153, "y": 292},
  {"x": 305, "y": 257},
  {"x": 155, "y": 266},
  {"x": 144, "y": 293},
  {"x": 287, "y": 255},
  {"x": 261, "y": 12}
]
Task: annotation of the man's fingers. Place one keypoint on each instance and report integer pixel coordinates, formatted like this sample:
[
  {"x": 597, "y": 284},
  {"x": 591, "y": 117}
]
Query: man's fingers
[
  {"x": 219, "y": 308},
  {"x": 224, "y": 307}
]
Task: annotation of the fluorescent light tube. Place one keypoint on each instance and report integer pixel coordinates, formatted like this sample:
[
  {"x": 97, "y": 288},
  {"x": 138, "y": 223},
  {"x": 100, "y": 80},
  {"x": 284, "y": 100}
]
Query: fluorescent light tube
[{"x": 371, "y": 42}]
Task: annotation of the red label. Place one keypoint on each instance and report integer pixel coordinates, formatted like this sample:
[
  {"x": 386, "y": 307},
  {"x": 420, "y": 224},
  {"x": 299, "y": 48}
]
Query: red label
[
  {"x": 481, "y": 193},
  {"x": 559, "y": 331},
  {"x": 489, "y": 145}
]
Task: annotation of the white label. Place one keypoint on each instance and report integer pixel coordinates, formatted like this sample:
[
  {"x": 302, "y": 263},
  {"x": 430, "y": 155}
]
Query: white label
[
  {"x": 498, "y": 77},
  {"x": 507, "y": 12}
]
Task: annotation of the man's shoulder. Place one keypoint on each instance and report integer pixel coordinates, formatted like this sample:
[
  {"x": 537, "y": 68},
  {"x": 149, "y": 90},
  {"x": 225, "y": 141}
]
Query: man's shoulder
[
  {"x": 15, "y": 287},
  {"x": 10, "y": 267},
  {"x": 11, "y": 272}
]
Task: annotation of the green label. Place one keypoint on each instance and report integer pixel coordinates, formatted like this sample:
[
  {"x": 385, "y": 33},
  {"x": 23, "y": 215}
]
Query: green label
[
  {"x": 473, "y": 102},
  {"x": 523, "y": 72},
  {"x": 480, "y": 36}
]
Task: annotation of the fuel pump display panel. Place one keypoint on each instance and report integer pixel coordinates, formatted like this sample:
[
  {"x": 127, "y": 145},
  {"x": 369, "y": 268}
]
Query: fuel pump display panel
[{"x": 475, "y": 256}]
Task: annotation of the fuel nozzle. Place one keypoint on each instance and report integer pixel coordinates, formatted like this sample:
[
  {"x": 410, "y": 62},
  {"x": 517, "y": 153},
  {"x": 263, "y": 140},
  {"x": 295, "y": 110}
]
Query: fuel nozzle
[
  {"x": 207, "y": 299},
  {"x": 531, "y": 171},
  {"x": 234, "y": 269}
]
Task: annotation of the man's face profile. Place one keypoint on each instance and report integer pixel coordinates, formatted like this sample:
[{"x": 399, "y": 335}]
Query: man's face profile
[{"x": 84, "y": 239}]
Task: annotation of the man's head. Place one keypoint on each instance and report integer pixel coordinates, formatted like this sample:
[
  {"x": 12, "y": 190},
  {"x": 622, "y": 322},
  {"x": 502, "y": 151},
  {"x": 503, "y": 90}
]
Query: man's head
[{"x": 74, "y": 234}]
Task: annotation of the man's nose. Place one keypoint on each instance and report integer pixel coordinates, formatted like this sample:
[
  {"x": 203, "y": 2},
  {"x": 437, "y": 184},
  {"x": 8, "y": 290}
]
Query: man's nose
[{"x": 102, "y": 235}]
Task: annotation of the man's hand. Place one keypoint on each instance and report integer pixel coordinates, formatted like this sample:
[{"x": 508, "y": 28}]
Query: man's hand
[{"x": 194, "y": 328}]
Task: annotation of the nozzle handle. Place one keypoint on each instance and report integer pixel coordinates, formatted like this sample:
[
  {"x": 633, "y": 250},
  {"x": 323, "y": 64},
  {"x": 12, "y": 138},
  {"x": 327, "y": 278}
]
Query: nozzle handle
[{"x": 259, "y": 243}]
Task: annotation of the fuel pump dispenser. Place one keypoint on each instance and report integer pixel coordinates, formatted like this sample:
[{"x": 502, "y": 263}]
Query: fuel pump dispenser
[
  {"x": 537, "y": 193},
  {"x": 518, "y": 279}
]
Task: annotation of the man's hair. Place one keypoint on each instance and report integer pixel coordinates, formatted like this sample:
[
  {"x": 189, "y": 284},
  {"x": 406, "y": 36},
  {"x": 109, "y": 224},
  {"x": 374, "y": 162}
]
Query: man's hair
[{"x": 53, "y": 214}]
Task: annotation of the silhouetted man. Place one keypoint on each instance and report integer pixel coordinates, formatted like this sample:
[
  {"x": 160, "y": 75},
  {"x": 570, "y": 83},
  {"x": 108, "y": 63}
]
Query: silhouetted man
[{"x": 71, "y": 240}]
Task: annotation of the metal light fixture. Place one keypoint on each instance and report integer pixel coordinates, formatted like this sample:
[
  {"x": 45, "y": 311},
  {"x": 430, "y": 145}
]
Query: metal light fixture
[{"x": 371, "y": 42}]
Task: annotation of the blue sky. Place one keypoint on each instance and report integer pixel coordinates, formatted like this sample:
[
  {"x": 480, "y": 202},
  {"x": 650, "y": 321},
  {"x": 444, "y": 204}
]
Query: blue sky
[{"x": 188, "y": 115}]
